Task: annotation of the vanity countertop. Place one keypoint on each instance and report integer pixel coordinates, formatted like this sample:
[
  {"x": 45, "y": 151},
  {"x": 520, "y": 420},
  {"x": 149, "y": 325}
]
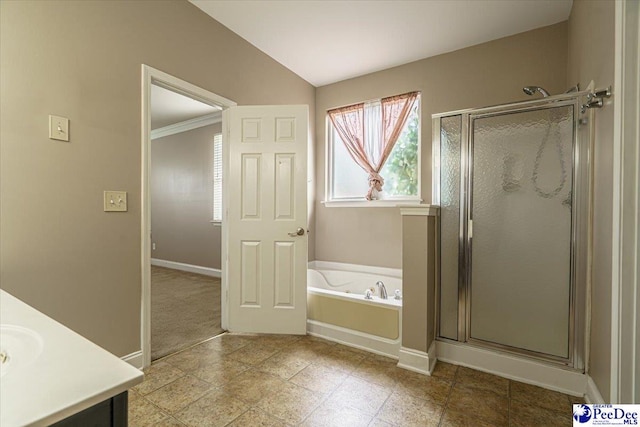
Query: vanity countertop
[{"x": 52, "y": 372}]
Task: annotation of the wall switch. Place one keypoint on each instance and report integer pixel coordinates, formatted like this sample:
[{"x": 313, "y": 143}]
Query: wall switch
[
  {"x": 115, "y": 201},
  {"x": 58, "y": 128}
]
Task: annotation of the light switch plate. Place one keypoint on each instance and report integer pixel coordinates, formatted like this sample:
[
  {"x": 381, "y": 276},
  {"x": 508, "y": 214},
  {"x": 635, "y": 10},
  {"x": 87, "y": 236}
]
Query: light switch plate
[
  {"x": 58, "y": 128},
  {"x": 115, "y": 201}
]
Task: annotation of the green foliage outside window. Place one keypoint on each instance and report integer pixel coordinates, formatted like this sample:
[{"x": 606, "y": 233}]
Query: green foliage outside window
[{"x": 401, "y": 169}]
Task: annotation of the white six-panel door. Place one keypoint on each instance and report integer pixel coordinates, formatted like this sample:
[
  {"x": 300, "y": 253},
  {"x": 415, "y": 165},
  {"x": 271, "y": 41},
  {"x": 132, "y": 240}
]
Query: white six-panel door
[{"x": 265, "y": 274}]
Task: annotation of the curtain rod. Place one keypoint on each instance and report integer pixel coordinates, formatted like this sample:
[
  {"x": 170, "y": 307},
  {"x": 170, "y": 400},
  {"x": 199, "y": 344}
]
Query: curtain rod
[{"x": 372, "y": 100}]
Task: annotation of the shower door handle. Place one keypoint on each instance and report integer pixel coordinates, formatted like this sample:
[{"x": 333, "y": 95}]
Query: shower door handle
[{"x": 298, "y": 232}]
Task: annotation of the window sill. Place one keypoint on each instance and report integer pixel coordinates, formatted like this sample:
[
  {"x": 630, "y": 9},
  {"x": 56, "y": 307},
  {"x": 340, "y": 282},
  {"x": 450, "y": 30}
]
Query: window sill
[
  {"x": 370, "y": 203},
  {"x": 216, "y": 223}
]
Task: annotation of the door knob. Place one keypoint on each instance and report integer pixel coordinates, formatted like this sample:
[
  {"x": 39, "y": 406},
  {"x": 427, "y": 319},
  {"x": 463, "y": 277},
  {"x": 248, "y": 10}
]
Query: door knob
[{"x": 298, "y": 232}]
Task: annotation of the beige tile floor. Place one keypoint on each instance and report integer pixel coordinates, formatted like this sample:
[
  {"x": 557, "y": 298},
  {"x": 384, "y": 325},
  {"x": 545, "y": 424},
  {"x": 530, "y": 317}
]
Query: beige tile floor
[{"x": 263, "y": 380}]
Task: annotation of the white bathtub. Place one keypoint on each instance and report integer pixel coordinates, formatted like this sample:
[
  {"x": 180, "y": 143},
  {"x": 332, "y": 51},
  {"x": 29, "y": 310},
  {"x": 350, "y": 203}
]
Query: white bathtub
[{"x": 338, "y": 311}]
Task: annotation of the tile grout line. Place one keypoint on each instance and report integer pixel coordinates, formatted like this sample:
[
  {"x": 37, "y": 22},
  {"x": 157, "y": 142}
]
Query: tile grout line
[
  {"x": 214, "y": 387},
  {"x": 322, "y": 401},
  {"x": 250, "y": 406},
  {"x": 446, "y": 403},
  {"x": 177, "y": 420},
  {"x": 164, "y": 385},
  {"x": 348, "y": 375},
  {"x": 185, "y": 373},
  {"x": 382, "y": 406},
  {"x": 172, "y": 415},
  {"x": 509, "y": 403},
  {"x": 287, "y": 380},
  {"x": 161, "y": 410},
  {"x": 315, "y": 391},
  {"x": 324, "y": 398}
]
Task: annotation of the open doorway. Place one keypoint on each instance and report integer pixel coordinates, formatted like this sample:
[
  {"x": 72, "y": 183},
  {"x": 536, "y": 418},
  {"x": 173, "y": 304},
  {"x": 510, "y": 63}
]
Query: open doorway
[
  {"x": 186, "y": 219},
  {"x": 181, "y": 215}
]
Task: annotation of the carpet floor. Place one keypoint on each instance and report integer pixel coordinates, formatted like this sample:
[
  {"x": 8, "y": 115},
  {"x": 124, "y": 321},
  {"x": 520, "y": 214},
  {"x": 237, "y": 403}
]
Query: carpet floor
[{"x": 185, "y": 310}]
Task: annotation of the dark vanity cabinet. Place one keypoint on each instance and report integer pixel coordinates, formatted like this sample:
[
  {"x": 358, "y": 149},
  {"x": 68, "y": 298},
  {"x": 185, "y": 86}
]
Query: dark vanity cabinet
[{"x": 109, "y": 413}]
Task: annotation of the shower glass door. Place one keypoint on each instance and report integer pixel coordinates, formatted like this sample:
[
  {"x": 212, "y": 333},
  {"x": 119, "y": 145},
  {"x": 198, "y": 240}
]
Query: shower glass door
[
  {"x": 520, "y": 199},
  {"x": 512, "y": 182}
]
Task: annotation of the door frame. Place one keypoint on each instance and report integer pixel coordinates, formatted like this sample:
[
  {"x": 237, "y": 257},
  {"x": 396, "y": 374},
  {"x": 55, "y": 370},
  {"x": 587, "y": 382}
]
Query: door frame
[
  {"x": 625, "y": 272},
  {"x": 151, "y": 76}
]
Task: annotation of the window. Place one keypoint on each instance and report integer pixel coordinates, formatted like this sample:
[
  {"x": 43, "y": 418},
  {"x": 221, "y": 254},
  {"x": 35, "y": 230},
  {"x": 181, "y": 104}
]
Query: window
[
  {"x": 349, "y": 180},
  {"x": 217, "y": 178}
]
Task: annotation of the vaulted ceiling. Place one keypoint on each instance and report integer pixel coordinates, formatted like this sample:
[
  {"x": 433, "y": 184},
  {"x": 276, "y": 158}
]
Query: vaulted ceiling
[{"x": 328, "y": 41}]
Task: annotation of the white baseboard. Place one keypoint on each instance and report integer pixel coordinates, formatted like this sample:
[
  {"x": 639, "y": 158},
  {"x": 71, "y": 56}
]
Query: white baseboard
[
  {"x": 356, "y": 339},
  {"x": 340, "y": 266},
  {"x": 593, "y": 394},
  {"x": 418, "y": 361},
  {"x": 206, "y": 271},
  {"x": 134, "y": 359},
  {"x": 505, "y": 365}
]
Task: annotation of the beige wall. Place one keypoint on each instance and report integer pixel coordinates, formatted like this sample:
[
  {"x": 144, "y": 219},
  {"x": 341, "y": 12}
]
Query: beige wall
[
  {"x": 486, "y": 74},
  {"x": 182, "y": 198},
  {"x": 59, "y": 251},
  {"x": 591, "y": 57}
]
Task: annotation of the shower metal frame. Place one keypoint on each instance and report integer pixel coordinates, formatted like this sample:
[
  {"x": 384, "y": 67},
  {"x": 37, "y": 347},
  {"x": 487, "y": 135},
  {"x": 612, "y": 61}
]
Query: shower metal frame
[{"x": 580, "y": 234}]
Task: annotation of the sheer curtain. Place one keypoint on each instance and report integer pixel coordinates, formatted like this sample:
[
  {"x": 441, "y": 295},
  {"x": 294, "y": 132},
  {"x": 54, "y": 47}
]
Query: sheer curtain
[{"x": 369, "y": 132}]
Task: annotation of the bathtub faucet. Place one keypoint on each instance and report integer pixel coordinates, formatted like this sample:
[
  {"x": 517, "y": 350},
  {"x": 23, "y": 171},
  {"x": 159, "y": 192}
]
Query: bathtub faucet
[
  {"x": 382, "y": 290},
  {"x": 368, "y": 294}
]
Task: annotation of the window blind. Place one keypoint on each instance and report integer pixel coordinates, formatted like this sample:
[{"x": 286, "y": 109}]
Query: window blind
[{"x": 217, "y": 177}]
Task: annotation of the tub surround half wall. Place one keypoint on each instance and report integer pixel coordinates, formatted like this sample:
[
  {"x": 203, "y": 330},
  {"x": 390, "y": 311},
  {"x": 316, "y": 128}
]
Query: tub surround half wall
[{"x": 419, "y": 275}]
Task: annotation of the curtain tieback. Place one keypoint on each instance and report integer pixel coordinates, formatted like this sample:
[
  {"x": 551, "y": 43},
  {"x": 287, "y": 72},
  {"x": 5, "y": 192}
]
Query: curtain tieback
[{"x": 375, "y": 183}]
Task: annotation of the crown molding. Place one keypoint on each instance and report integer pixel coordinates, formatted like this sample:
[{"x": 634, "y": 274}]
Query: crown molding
[{"x": 186, "y": 125}]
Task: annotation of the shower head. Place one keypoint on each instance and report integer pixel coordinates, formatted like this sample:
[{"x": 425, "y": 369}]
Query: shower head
[{"x": 531, "y": 90}]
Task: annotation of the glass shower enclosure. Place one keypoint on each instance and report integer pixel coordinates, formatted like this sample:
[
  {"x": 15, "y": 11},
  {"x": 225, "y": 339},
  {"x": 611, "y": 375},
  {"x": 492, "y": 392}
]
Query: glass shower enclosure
[{"x": 512, "y": 182}]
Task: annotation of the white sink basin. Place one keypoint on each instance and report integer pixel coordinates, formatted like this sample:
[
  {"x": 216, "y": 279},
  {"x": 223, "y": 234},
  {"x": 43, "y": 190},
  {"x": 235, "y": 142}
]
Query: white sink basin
[{"x": 19, "y": 347}]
